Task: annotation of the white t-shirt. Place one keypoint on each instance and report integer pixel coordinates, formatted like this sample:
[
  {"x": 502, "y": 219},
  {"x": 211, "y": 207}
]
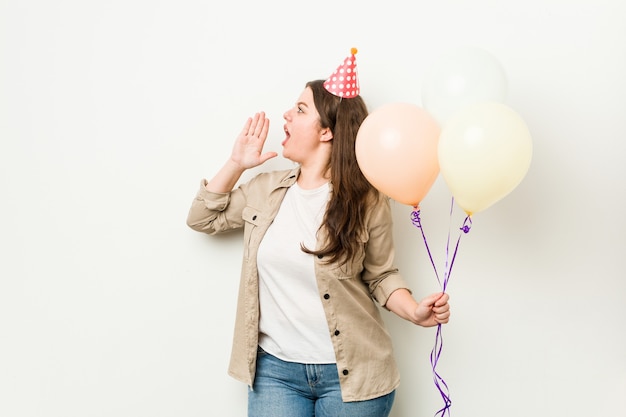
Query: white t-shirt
[{"x": 293, "y": 325}]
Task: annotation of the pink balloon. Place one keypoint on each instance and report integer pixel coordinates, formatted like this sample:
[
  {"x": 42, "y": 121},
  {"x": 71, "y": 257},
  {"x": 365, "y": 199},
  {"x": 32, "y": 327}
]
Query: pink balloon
[{"x": 396, "y": 149}]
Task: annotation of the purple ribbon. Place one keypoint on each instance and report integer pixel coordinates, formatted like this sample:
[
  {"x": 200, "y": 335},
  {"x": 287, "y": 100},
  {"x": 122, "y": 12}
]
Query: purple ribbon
[{"x": 435, "y": 354}]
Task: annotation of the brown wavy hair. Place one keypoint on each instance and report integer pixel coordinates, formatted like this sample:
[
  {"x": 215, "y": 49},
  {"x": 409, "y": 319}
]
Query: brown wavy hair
[{"x": 351, "y": 194}]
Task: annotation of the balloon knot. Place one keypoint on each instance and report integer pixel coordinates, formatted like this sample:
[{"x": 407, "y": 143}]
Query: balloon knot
[
  {"x": 415, "y": 218},
  {"x": 467, "y": 224}
]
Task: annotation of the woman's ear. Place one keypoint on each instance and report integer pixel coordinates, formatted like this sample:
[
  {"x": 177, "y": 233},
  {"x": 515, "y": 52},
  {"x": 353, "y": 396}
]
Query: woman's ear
[{"x": 327, "y": 135}]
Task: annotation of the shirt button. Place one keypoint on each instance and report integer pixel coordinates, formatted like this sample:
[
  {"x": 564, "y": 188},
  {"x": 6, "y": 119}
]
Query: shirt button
[
  {"x": 326, "y": 296},
  {"x": 337, "y": 332},
  {"x": 345, "y": 372},
  {"x": 254, "y": 217}
]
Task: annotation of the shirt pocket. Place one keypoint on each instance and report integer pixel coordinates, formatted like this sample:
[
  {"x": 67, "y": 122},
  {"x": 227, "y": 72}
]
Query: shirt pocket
[
  {"x": 252, "y": 221},
  {"x": 345, "y": 270},
  {"x": 348, "y": 270}
]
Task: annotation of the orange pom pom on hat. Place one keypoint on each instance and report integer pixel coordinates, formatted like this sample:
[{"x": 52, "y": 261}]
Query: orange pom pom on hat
[{"x": 344, "y": 81}]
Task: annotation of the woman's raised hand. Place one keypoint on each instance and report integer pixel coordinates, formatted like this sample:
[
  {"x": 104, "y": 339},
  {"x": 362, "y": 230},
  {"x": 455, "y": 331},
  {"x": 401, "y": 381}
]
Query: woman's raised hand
[{"x": 248, "y": 148}]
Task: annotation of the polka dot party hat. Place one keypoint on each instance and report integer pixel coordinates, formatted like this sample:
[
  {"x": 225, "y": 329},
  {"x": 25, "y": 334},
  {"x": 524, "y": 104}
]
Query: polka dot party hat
[{"x": 344, "y": 81}]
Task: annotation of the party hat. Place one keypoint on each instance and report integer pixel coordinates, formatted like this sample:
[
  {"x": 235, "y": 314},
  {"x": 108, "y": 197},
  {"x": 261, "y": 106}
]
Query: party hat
[{"x": 344, "y": 81}]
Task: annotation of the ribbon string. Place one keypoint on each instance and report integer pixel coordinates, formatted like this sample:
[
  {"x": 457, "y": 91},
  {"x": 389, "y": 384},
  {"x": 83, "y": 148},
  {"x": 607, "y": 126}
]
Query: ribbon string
[{"x": 435, "y": 354}]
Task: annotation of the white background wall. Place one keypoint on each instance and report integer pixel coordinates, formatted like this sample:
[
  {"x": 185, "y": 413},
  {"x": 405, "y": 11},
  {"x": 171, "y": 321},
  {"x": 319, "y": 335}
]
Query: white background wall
[{"x": 112, "y": 111}]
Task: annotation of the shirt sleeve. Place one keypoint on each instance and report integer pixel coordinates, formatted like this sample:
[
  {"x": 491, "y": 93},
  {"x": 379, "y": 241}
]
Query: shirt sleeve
[
  {"x": 214, "y": 213},
  {"x": 379, "y": 271}
]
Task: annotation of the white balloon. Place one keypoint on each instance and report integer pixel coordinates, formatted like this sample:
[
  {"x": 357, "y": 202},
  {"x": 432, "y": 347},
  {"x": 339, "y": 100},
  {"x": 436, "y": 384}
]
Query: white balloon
[
  {"x": 461, "y": 77},
  {"x": 484, "y": 153}
]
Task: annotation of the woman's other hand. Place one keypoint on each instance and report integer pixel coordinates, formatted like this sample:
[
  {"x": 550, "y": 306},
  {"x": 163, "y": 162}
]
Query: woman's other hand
[
  {"x": 433, "y": 310},
  {"x": 248, "y": 149}
]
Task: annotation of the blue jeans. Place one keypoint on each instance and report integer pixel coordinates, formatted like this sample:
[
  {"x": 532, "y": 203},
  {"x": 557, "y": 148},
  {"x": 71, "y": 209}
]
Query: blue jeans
[{"x": 287, "y": 389}]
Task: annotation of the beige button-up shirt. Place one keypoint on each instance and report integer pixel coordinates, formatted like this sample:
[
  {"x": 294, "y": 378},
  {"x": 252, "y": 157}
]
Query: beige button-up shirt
[{"x": 362, "y": 345}]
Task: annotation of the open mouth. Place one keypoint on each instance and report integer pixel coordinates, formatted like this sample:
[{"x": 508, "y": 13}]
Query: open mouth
[{"x": 287, "y": 136}]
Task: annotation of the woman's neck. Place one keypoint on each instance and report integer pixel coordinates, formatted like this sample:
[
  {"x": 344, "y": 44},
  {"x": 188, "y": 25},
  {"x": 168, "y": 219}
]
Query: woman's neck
[
  {"x": 314, "y": 170},
  {"x": 313, "y": 177}
]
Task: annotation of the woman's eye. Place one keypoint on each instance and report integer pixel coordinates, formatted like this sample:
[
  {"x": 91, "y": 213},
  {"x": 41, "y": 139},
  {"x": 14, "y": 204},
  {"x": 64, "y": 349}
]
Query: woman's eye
[{"x": 300, "y": 109}]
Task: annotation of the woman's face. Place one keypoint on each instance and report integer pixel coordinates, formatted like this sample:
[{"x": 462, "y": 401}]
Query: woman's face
[{"x": 304, "y": 134}]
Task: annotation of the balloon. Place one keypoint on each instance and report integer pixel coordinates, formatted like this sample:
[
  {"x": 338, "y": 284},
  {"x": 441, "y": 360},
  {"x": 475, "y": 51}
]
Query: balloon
[
  {"x": 396, "y": 149},
  {"x": 462, "y": 77},
  {"x": 484, "y": 153}
]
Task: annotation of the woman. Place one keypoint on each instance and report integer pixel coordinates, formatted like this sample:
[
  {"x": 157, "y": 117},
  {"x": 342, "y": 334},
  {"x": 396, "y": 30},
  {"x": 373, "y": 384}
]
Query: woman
[{"x": 318, "y": 250}]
